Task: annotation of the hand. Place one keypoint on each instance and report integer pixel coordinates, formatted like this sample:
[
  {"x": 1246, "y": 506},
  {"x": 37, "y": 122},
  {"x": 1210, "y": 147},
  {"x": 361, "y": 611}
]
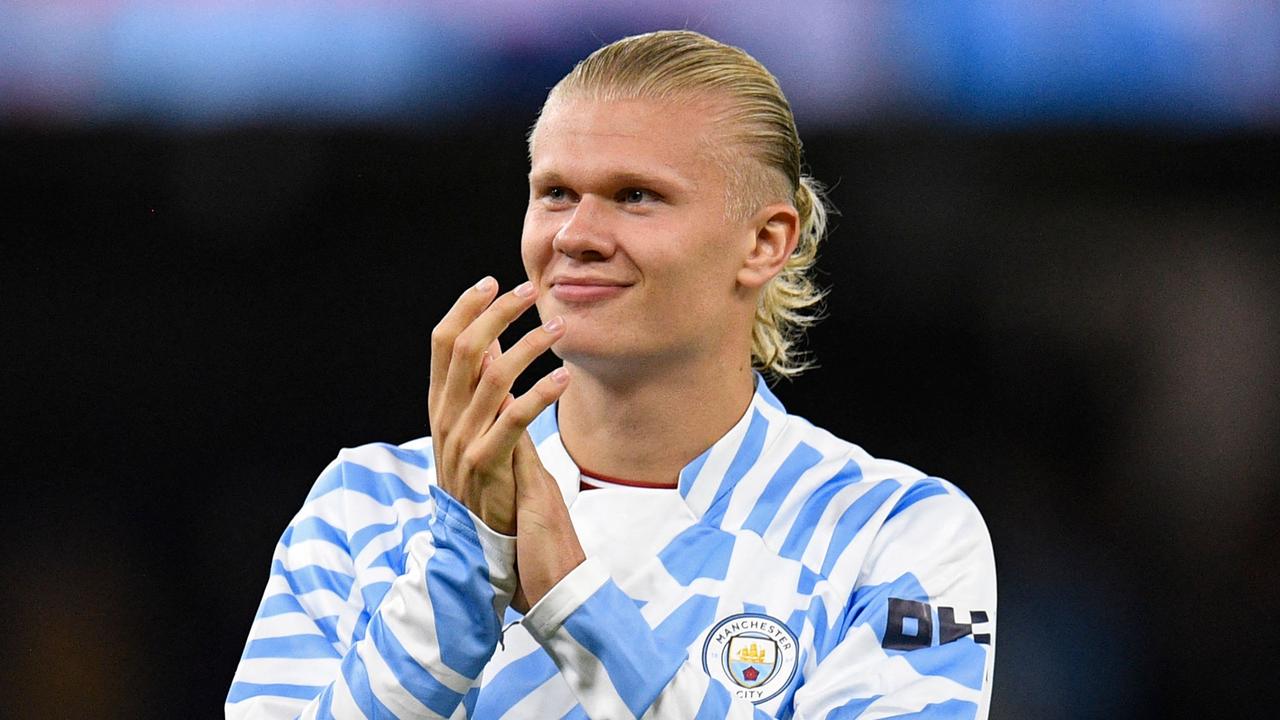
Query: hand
[
  {"x": 475, "y": 422},
  {"x": 547, "y": 548}
]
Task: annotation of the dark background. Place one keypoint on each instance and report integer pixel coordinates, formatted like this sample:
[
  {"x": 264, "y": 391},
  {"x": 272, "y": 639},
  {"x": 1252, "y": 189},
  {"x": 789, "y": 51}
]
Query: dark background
[
  {"x": 1076, "y": 318},
  {"x": 1077, "y": 328}
]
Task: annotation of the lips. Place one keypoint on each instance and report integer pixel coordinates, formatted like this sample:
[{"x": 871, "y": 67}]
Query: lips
[{"x": 586, "y": 289}]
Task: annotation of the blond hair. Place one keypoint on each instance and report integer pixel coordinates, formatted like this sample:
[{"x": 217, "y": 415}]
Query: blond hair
[{"x": 680, "y": 64}]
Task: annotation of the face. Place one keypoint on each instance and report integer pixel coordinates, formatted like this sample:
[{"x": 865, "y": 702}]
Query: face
[{"x": 627, "y": 236}]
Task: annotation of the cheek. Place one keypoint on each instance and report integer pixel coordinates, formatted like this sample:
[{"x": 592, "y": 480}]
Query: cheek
[{"x": 535, "y": 249}]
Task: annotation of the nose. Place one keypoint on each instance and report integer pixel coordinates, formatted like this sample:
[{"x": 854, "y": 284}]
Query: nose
[{"x": 586, "y": 234}]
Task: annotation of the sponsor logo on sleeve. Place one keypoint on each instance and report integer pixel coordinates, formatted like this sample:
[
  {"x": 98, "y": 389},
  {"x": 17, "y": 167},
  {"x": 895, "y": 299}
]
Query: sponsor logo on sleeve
[
  {"x": 752, "y": 655},
  {"x": 909, "y": 625}
]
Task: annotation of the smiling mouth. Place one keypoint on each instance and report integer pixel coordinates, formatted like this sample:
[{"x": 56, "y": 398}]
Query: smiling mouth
[{"x": 572, "y": 292}]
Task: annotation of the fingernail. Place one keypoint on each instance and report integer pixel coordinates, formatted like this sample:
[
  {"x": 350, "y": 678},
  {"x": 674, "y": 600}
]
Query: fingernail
[
  {"x": 524, "y": 289},
  {"x": 554, "y": 324},
  {"x": 560, "y": 375},
  {"x": 485, "y": 284}
]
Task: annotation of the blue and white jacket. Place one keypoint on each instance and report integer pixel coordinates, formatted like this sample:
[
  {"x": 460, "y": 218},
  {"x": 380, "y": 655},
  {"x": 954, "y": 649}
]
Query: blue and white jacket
[{"x": 790, "y": 574}]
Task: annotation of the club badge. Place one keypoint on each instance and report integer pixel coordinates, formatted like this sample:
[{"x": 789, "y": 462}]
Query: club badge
[{"x": 752, "y": 655}]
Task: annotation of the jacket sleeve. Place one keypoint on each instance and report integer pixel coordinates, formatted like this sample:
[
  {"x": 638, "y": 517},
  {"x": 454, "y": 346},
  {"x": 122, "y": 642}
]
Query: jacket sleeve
[
  {"x": 317, "y": 649},
  {"x": 916, "y": 638}
]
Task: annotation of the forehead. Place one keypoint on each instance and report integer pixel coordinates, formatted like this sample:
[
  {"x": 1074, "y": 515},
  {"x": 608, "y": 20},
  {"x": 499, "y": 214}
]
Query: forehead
[{"x": 636, "y": 136}]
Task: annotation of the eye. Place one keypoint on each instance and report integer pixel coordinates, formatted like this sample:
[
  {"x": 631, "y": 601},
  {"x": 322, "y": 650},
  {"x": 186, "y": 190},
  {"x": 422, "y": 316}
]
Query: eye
[
  {"x": 557, "y": 194},
  {"x": 635, "y": 196}
]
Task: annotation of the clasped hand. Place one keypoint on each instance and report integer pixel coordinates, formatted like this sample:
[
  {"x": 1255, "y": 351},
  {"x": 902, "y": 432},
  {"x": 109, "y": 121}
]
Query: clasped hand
[{"x": 483, "y": 454}]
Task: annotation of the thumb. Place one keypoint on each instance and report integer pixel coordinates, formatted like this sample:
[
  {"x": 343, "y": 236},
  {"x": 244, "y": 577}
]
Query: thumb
[{"x": 530, "y": 474}]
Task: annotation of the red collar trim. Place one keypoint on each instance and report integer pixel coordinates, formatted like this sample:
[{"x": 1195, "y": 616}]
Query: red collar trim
[{"x": 620, "y": 481}]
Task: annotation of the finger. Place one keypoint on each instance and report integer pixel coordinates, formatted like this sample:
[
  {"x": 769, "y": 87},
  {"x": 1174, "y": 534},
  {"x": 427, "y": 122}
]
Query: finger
[
  {"x": 501, "y": 439},
  {"x": 525, "y": 461},
  {"x": 494, "y": 351},
  {"x": 465, "y": 310},
  {"x": 470, "y": 344},
  {"x": 497, "y": 377}
]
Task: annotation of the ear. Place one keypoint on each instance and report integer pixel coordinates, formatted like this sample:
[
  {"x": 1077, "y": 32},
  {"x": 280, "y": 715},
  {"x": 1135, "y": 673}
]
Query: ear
[{"x": 776, "y": 229}]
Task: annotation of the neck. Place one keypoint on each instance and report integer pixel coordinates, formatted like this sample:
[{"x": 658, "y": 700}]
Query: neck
[{"x": 647, "y": 427}]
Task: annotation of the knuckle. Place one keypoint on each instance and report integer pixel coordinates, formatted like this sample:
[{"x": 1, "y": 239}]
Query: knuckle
[
  {"x": 441, "y": 335},
  {"x": 493, "y": 379},
  {"x": 472, "y": 458},
  {"x": 520, "y": 415},
  {"x": 533, "y": 342},
  {"x": 546, "y": 391},
  {"x": 464, "y": 346}
]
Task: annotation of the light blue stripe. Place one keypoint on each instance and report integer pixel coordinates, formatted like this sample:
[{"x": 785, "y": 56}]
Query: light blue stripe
[
  {"x": 689, "y": 475},
  {"x": 357, "y": 676},
  {"x": 743, "y": 460},
  {"x": 852, "y": 709},
  {"x": 245, "y": 690},
  {"x": 367, "y": 534},
  {"x": 513, "y": 683},
  {"x": 461, "y": 595},
  {"x": 698, "y": 552},
  {"x": 310, "y": 578},
  {"x": 824, "y": 639},
  {"x": 949, "y": 710},
  {"x": 291, "y": 646},
  {"x": 469, "y": 701},
  {"x": 396, "y": 556},
  {"x": 577, "y": 713},
  {"x": 786, "y": 704},
  {"x": 324, "y": 709},
  {"x": 409, "y": 673},
  {"x": 754, "y": 609},
  {"x": 329, "y": 626},
  {"x": 373, "y": 594},
  {"x": 279, "y": 605},
  {"x": 963, "y": 660},
  {"x": 419, "y": 458},
  {"x": 688, "y": 621},
  {"x": 854, "y": 519},
  {"x": 807, "y": 581},
  {"x": 314, "y": 528},
  {"x": 328, "y": 481},
  {"x": 922, "y": 489},
  {"x": 802, "y": 458},
  {"x": 609, "y": 627},
  {"x": 545, "y": 425},
  {"x": 762, "y": 389},
  {"x": 389, "y": 559},
  {"x": 807, "y": 521},
  {"x": 362, "y": 623},
  {"x": 870, "y": 603},
  {"x": 383, "y": 488},
  {"x": 715, "y": 703}
]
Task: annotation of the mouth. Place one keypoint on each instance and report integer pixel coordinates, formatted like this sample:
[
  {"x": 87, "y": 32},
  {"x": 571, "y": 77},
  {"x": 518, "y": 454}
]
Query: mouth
[{"x": 584, "y": 291}]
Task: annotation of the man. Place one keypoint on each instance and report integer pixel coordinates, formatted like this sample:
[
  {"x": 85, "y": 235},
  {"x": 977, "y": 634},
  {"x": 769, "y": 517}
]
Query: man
[{"x": 660, "y": 538}]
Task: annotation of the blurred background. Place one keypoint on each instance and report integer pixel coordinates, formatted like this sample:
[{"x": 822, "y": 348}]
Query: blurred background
[{"x": 229, "y": 226}]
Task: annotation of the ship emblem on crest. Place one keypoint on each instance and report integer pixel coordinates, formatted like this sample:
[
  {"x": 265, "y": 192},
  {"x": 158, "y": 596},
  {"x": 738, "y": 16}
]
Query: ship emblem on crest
[
  {"x": 751, "y": 659},
  {"x": 753, "y": 655}
]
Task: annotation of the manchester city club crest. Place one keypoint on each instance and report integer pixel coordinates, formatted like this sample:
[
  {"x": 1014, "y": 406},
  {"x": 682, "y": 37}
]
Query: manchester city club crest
[{"x": 753, "y": 655}]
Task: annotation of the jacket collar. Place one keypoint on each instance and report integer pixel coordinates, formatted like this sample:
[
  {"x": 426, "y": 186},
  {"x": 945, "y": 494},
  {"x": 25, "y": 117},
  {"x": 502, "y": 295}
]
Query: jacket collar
[{"x": 707, "y": 481}]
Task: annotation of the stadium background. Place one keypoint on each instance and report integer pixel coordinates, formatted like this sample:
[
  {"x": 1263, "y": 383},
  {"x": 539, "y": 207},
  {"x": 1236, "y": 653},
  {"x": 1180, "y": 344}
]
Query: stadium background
[{"x": 229, "y": 228}]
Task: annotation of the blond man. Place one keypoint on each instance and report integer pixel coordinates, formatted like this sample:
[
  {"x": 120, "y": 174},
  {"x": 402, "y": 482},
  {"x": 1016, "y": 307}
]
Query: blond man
[{"x": 646, "y": 532}]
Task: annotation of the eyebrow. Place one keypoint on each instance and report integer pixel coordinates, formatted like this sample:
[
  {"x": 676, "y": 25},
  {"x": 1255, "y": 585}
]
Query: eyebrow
[{"x": 617, "y": 178}]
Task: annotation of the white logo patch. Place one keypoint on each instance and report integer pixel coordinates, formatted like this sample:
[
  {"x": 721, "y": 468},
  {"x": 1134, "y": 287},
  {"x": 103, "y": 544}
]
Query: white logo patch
[{"x": 752, "y": 655}]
